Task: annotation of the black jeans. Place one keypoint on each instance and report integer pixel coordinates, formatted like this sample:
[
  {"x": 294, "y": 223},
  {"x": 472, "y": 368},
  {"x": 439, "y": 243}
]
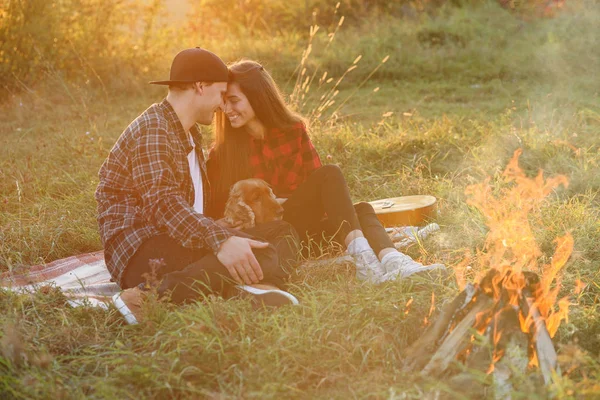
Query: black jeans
[
  {"x": 322, "y": 210},
  {"x": 188, "y": 274}
]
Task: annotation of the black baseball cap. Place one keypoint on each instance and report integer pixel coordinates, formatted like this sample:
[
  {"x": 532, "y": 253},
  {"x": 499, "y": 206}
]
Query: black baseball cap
[{"x": 196, "y": 65}]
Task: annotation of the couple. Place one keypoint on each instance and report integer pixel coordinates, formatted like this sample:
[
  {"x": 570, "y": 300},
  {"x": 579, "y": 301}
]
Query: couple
[{"x": 160, "y": 205}]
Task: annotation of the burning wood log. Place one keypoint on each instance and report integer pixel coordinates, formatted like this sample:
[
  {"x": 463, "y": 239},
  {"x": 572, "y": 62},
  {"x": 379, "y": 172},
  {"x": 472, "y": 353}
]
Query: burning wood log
[
  {"x": 546, "y": 354},
  {"x": 457, "y": 340},
  {"x": 417, "y": 355},
  {"x": 498, "y": 314},
  {"x": 507, "y": 324}
]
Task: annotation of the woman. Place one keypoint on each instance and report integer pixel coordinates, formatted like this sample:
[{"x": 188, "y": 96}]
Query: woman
[{"x": 258, "y": 136}]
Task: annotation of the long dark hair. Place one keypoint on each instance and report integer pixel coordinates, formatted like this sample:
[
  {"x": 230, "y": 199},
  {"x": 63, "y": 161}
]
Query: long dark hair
[{"x": 232, "y": 145}]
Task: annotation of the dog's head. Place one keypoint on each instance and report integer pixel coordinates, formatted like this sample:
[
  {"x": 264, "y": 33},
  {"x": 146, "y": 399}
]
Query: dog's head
[{"x": 251, "y": 202}]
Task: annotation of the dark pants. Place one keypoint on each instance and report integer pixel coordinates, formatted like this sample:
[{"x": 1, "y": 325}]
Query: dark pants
[
  {"x": 188, "y": 274},
  {"x": 322, "y": 210}
]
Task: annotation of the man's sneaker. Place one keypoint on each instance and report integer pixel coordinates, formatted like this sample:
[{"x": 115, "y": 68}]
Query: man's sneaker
[
  {"x": 368, "y": 266},
  {"x": 267, "y": 295},
  {"x": 129, "y": 303},
  {"x": 400, "y": 266}
]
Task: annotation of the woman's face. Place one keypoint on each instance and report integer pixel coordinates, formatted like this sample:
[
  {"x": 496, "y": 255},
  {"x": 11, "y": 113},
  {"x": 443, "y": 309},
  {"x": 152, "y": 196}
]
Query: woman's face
[{"x": 237, "y": 107}]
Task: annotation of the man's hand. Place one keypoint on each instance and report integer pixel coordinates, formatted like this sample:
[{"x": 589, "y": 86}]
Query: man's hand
[{"x": 236, "y": 255}]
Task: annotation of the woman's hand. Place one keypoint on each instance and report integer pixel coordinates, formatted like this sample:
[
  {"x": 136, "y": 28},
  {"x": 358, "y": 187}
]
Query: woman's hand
[{"x": 225, "y": 224}]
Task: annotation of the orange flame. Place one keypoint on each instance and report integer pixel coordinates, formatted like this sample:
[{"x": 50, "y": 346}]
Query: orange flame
[
  {"x": 407, "y": 307},
  {"x": 510, "y": 247},
  {"x": 510, "y": 241},
  {"x": 431, "y": 309},
  {"x": 579, "y": 286},
  {"x": 461, "y": 268}
]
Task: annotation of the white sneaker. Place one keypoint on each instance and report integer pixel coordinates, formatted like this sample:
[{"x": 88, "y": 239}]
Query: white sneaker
[
  {"x": 368, "y": 266},
  {"x": 129, "y": 303},
  {"x": 401, "y": 266},
  {"x": 268, "y": 295},
  {"x": 404, "y": 236}
]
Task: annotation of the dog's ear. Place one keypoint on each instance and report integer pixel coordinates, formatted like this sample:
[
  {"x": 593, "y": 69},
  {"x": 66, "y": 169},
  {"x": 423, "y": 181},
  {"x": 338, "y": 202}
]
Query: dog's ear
[
  {"x": 236, "y": 211},
  {"x": 246, "y": 214}
]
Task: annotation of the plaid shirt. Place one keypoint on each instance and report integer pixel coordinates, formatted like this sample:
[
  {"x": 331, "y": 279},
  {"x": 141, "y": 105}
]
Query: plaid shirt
[
  {"x": 146, "y": 189},
  {"x": 284, "y": 159}
]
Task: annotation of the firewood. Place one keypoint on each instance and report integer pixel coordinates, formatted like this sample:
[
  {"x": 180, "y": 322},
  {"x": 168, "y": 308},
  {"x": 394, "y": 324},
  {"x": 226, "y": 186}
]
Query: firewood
[
  {"x": 511, "y": 346},
  {"x": 456, "y": 341},
  {"x": 546, "y": 354},
  {"x": 496, "y": 360},
  {"x": 419, "y": 353}
]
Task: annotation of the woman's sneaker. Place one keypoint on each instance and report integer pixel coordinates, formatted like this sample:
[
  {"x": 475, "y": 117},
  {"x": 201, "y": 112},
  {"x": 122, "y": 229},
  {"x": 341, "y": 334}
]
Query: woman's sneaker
[
  {"x": 129, "y": 304},
  {"x": 400, "y": 266},
  {"x": 267, "y": 295},
  {"x": 404, "y": 236},
  {"x": 368, "y": 266}
]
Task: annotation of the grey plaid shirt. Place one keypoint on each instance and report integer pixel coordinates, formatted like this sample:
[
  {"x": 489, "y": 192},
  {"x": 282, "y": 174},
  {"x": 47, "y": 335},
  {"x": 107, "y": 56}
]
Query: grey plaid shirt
[{"x": 146, "y": 189}]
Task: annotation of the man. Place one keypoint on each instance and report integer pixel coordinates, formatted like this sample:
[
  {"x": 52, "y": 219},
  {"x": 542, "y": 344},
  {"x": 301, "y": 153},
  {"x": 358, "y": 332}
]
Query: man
[{"x": 152, "y": 194}]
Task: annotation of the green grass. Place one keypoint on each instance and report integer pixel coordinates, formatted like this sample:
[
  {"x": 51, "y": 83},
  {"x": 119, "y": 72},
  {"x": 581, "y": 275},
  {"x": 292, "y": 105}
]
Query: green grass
[{"x": 459, "y": 112}]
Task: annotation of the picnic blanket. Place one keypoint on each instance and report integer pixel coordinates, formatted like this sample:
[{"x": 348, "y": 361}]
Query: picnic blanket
[{"x": 85, "y": 280}]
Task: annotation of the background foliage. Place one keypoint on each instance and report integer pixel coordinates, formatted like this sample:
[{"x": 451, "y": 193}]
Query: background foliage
[{"x": 463, "y": 85}]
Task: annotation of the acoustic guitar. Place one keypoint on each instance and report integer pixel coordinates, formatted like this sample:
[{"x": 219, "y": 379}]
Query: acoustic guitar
[{"x": 405, "y": 210}]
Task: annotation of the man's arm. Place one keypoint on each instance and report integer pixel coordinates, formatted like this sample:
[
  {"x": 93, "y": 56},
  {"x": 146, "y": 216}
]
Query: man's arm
[
  {"x": 164, "y": 205},
  {"x": 163, "y": 202}
]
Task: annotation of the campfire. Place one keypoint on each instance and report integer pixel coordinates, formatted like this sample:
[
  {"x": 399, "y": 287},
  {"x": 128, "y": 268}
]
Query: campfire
[{"x": 504, "y": 323}]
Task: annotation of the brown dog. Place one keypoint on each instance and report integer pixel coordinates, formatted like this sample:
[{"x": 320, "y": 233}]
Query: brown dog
[{"x": 251, "y": 202}]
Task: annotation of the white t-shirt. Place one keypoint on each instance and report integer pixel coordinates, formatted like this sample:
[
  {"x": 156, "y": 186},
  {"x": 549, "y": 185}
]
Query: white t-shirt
[{"x": 196, "y": 174}]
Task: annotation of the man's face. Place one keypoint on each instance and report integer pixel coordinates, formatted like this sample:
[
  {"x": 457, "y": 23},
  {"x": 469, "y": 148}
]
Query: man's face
[{"x": 209, "y": 101}]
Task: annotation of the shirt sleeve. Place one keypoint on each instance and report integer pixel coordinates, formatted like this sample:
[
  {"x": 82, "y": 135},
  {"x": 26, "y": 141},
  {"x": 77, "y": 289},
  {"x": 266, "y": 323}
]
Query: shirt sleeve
[{"x": 163, "y": 203}]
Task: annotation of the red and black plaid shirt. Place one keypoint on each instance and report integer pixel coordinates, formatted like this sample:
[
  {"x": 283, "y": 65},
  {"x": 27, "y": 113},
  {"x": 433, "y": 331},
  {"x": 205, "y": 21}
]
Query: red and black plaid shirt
[
  {"x": 284, "y": 159},
  {"x": 146, "y": 189}
]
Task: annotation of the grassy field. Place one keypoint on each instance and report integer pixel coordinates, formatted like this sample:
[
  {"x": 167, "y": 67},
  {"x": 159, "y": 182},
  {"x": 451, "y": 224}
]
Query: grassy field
[{"x": 437, "y": 116}]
